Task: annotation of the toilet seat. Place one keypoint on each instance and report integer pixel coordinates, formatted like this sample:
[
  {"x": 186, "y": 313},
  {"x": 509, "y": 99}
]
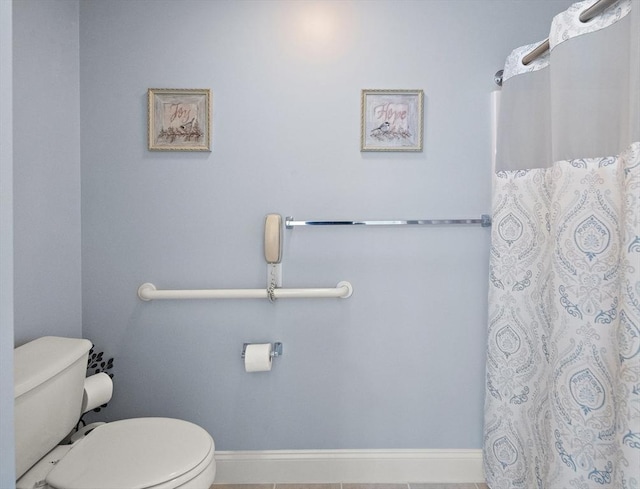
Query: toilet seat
[{"x": 139, "y": 453}]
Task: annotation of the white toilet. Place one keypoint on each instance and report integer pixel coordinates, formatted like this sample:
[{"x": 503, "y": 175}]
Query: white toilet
[{"x": 139, "y": 453}]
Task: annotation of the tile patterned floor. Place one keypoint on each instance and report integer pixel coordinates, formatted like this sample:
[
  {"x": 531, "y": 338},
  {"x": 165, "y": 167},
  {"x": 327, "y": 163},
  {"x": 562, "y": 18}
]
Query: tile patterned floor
[{"x": 470, "y": 485}]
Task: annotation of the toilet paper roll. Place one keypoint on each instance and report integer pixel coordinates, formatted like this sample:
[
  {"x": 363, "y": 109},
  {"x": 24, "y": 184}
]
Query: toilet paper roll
[
  {"x": 97, "y": 391},
  {"x": 257, "y": 357}
]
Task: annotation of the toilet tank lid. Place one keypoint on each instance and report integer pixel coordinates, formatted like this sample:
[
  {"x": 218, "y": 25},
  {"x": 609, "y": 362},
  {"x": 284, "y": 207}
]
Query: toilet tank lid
[{"x": 41, "y": 359}]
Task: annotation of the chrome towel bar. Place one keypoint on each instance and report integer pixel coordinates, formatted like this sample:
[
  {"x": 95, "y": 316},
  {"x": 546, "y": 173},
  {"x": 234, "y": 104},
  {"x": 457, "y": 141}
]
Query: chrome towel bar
[{"x": 484, "y": 221}]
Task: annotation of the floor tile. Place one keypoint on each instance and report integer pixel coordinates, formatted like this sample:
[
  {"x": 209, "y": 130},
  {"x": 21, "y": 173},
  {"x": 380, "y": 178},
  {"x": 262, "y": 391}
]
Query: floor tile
[
  {"x": 468, "y": 485},
  {"x": 242, "y": 486},
  {"x": 307, "y": 486},
  {"x": 375, "y": 486},
  {"x": 420, "y": 485}
]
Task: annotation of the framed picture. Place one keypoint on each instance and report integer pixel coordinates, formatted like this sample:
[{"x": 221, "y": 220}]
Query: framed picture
[
  {"x": 179, "y": 119},
  {"x": 391, "y": 120}
]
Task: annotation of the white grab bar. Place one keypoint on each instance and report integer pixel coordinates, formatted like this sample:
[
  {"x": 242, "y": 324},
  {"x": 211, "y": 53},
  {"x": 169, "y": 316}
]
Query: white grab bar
[{"x": 148, "y": 292}]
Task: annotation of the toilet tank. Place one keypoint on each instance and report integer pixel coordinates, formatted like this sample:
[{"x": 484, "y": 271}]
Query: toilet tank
[{"x": 49, "y": 378}]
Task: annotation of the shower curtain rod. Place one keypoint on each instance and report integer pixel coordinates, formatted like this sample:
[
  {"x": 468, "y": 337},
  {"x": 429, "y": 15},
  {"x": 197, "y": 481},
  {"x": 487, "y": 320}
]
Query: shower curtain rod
[
  {"x": 585, "y": 16},
  {"x": 484, "y": 221}
]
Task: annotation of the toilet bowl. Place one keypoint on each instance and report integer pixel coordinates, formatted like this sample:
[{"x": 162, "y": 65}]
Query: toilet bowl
[{"x": 138, "y": 453}]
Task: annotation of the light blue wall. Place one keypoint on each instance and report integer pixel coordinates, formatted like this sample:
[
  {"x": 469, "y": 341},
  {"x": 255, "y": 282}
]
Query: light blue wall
[
  {"x": 7, "y": 466},
  {"x": 398, "y": 365},
  {"x": 46, "y": 119},
  {"x": 40, "y": 248}
]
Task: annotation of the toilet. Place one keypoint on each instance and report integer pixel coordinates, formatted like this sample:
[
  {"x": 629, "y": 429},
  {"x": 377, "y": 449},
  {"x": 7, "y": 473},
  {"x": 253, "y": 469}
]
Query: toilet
[{"x": 138, "y": 453}]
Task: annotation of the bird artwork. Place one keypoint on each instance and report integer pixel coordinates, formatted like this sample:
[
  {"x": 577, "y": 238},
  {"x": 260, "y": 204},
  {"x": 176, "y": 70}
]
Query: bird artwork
[
  {"x": 187, "y": 126},
  {"x": 391, "y": 120},
  {"x": 381, "y": 129}
]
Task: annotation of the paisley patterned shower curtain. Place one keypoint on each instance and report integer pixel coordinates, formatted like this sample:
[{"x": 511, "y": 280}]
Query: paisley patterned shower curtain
[{"x": 563, "y": 361}]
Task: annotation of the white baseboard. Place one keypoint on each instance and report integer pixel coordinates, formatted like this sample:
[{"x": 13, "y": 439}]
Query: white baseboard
[{"x": 354, "y": 466}]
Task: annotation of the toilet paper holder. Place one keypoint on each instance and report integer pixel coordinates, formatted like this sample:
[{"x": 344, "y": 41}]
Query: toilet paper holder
[{"x": 276, "y": 349}]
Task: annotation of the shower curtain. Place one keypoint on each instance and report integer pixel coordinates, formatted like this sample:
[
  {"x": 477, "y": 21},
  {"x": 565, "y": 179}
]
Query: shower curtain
[{"x": 562, "y": 405}]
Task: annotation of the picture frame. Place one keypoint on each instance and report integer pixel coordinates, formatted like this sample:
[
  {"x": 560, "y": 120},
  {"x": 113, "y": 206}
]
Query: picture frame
[
  {"x": 179, "y": 119},
  {"x": 391, "y": 120}
]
